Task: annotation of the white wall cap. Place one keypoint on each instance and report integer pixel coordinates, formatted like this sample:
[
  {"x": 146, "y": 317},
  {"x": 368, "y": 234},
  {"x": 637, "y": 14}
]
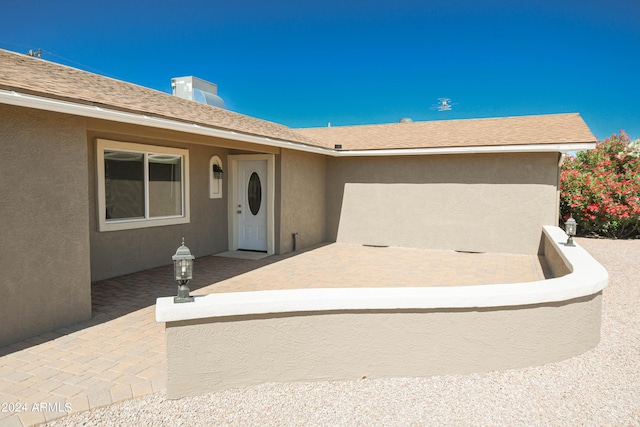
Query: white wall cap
[{"x": 587, "y": 278}]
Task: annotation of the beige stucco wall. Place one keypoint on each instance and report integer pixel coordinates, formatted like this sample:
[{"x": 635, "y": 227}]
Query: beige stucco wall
[
  {"x": 301, "y": 200},
  {"x": 553, "y": 259},
  {"x": 211, "y": 355},
  {"x": 114, "y": 253},
  {"x": 474, "y": 202},
  {"x": 45, "y": 279}
]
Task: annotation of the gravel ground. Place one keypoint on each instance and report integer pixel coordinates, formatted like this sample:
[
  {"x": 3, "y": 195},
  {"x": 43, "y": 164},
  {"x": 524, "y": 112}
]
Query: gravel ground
[{"x": 598, "y": 388}]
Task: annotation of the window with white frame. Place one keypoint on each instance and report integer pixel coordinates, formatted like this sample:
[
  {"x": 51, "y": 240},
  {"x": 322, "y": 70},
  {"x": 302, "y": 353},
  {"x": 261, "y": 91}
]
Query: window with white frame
[{"x": 141, "y": 185}]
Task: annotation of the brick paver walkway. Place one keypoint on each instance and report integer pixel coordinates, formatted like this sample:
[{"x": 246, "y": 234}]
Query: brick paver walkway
[{"x": 120, "y": 353}]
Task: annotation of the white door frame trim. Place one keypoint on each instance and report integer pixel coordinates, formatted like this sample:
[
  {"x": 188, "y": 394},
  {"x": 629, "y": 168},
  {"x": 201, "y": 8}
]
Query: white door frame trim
[{"x": 233, "y": 198}]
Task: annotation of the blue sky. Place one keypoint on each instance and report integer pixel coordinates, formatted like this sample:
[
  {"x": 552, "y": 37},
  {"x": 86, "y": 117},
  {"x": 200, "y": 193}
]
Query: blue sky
[{"x": 354, "y": 62}]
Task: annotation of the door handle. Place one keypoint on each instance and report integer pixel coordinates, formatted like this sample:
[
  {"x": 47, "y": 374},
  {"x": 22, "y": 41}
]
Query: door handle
[{"x": 239, "y": 211}]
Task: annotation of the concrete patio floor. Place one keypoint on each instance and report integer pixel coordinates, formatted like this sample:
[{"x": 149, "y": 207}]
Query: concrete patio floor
[{"x": 120, "y": 353}]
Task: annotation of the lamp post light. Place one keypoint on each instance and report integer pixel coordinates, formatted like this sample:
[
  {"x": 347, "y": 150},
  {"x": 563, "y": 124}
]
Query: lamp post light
[
  {"x": 570, "y": 228},
  {"x": 183, "y": 272}
]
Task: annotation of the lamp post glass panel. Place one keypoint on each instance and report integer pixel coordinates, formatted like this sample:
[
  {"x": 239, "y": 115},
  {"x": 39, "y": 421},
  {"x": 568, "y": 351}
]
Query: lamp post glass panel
[
  {"x": 183, "y": 272},
  {"x": 570, "y": 228}
]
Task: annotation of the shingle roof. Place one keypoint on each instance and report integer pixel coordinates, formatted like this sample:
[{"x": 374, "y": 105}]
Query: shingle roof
[
  {"x": 523, "y": 130},
  {"x": 24, "y": 74}
]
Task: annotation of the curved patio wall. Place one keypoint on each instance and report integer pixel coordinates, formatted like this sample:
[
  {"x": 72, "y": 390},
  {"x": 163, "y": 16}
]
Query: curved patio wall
[{"x": 241, "y": 339}]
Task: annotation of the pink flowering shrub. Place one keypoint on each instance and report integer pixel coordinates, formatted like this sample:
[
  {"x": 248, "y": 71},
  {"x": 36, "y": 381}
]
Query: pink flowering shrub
[{"x": 601, "y": 189}]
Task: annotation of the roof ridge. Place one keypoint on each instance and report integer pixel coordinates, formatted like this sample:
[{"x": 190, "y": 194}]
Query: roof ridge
[
  {"x": 440, "y": 121},
  {"x": 28, "y": 57}
]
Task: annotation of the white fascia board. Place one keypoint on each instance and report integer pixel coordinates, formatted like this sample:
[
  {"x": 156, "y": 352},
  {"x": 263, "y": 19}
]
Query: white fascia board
[
  {"x": 41, "y": 103},
  {"x": 59, "y": 106},
  {"x": 528, "y": 148}
]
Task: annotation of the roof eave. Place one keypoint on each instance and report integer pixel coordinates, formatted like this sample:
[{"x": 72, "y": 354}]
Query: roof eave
[
  {"x": 514, "y": 148},
  {"x": 84, "y": 110},
  {"x": 92, "y": 111}
]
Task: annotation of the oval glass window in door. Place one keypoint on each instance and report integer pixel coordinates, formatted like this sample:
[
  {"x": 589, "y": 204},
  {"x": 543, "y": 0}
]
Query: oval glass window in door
[{"x": 254, "y": 193}]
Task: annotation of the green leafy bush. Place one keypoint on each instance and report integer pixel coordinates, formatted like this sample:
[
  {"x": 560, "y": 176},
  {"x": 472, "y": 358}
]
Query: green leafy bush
[{"x": 601, "y": 188}]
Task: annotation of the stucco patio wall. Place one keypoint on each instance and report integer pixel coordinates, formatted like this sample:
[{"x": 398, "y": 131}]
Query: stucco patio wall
[
  {"x": 241, "y": 339},
  {"x": 468, "y": 202},
  {"x": 43, "y": 188},
  {"x": 554, "y": 257}
]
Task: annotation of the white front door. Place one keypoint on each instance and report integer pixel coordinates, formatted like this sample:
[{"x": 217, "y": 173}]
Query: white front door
[{"x": 252, "y": 205}]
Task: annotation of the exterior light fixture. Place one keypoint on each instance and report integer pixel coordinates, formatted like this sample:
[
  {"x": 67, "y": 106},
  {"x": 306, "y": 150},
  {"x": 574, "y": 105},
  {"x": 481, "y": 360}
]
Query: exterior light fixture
[
  {"x": 183, "y": 272},
  {"x": 570, "y": 228},
  {"x": 218, "y": 173}
]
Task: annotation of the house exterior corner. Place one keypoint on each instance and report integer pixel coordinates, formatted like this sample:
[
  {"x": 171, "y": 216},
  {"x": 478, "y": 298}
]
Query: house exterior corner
[{"x": 45, "y": 226}]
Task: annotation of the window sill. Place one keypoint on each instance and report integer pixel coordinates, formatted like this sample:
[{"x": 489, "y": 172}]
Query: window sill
[{"x": 141, "y": 223}]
